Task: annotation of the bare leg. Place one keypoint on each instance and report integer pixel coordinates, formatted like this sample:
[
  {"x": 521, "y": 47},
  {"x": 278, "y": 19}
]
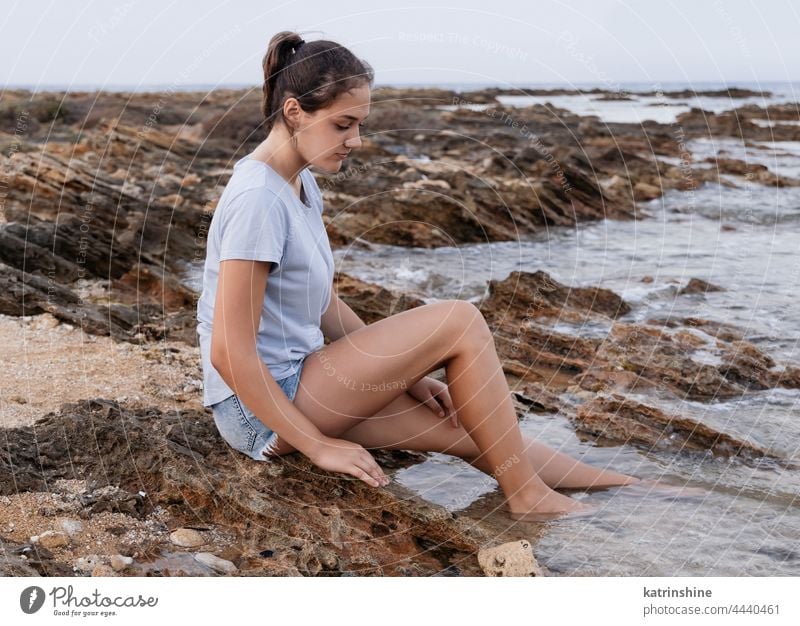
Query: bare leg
[
  {"x": 482, "y": 399},
  {"x": 351, "y": 379},
  {"x": 559, "y": 470}
]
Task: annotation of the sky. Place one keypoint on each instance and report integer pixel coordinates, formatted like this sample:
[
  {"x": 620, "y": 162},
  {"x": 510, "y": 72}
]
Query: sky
[{"x": 203, "y": 42}]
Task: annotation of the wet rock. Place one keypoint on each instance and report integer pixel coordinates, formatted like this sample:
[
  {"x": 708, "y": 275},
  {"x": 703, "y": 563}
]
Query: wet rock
[
  {"x": 538, "y": 294},
  {"x": 695, "y": 285},
  {"x": 521, "y": 309},
  {"x": 622, "y": 420},
  {"x": 514, "y": 558}
]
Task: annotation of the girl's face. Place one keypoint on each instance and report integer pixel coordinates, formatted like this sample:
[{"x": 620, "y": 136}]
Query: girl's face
[{"x": 329, "y": 134}]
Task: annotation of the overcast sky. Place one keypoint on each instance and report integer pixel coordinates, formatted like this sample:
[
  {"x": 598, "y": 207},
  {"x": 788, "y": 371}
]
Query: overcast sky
[{"x": 213, "y": 42}]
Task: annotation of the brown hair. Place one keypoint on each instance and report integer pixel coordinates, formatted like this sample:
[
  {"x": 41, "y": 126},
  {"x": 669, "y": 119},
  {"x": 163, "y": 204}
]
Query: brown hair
[{"x": 314, "y": 72}]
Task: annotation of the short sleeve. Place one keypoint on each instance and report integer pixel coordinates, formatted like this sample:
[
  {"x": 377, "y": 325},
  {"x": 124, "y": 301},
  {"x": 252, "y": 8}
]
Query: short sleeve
[{"x": 254, "y": 226}]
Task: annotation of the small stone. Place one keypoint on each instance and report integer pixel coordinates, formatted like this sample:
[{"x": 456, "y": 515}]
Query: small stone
[
  {"x": 51, "y": 539},
  {"x": 103, "y": 570},
  {"x": 187, "y": 538},
  {"x": 71, "y": 526},
  {"x": 86, "y": 563},
  {"x": 514, "y": 558},
  {"x": 120, "y": 562},
  {"x": 217, "y": 564}
]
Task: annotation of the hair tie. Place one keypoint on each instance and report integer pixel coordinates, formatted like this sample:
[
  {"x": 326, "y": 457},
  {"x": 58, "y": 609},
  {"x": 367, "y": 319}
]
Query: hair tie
[{"x": 297, "y": 45}]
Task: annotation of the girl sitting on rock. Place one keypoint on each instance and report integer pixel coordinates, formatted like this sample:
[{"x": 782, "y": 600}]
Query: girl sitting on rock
[{"x": 268, "y": 302}]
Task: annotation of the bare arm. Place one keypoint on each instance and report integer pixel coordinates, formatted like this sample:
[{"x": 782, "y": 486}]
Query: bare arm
[
  {"x": 237, "y": 311},
  {"x": 339, "y": 319}
]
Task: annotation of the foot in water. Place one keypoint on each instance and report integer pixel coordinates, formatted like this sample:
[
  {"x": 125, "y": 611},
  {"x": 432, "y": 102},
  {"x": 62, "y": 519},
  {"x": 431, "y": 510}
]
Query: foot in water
[{"x": 551, "y": 506}]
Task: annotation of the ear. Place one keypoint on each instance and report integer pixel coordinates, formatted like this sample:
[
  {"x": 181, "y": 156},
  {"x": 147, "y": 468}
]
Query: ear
[{"x": 292, "y": 112}]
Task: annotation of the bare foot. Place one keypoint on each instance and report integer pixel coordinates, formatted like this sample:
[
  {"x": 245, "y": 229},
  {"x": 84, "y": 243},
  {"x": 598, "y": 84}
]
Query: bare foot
[{"x": 549, "y": 506}]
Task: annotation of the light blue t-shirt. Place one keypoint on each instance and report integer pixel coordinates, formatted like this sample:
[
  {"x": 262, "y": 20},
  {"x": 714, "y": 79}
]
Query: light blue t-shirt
[{"x": 260, "y": 217}]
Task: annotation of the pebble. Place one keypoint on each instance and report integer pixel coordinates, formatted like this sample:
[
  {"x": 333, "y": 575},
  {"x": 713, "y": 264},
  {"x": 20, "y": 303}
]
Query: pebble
[
  {"x": 86, "y": 563},
  {"x": 71, "y": 526},
  {"x": 217, "y": 564},
  {"x": 514, "y": 558},
  {"x": 103, "y": 570},
  {"x": 120, "y": 562},
  {"x": 51, "y": 539},
  {"x": 187, "y": 538}
]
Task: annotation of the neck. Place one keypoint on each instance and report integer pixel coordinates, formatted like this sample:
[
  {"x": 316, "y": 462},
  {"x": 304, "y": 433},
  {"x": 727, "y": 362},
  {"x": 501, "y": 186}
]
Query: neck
[{"x": 277, "y": 151}]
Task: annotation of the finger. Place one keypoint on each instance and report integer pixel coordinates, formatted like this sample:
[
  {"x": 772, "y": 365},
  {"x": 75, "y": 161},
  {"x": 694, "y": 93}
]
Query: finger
[
  {"x": 366, "y": 477},
  {"x": 441, "y": 403},
  {"x": 369, "y": 465},
  {"x": 448, "y": 402},
  {"x": 454, "y": 419},
  {"x": 434, "y": 406}
]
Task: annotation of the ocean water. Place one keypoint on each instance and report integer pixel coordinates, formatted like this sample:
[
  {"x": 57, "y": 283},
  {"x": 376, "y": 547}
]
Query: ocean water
[
  {"x": 640, "y": 108},
  {"x": 744, "y": 239}
]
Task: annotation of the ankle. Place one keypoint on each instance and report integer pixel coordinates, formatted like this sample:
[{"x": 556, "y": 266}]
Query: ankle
[{"x": 531, "y": 498}]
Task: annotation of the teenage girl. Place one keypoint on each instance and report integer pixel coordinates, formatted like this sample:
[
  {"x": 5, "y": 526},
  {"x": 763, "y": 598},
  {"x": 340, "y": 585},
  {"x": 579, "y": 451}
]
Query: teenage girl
[{"x": 268, "y": 302}]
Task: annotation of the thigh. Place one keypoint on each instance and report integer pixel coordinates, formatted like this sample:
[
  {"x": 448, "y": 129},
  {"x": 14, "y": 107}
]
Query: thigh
[
  {"x": 356, "y": 376},
  {"x": 407, "y": 424}
]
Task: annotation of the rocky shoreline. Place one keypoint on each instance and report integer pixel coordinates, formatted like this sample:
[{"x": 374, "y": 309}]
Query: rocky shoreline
[{"x": 113, "y": 467}]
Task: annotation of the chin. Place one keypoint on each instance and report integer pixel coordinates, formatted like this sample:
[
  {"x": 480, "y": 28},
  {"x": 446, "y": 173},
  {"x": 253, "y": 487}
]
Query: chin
[{"x": 331, "y": 166}]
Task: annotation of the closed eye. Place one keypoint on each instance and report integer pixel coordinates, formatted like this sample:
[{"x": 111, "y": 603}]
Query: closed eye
[{"x": 340, "y": 127}]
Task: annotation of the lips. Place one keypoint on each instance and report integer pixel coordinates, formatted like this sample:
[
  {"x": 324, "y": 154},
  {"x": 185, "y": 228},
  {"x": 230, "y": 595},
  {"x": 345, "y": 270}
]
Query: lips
[{"x": 344, "y": 156}]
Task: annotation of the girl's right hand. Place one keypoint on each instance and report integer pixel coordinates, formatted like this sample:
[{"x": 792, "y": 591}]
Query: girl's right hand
[{"x": 340, "y": 455}]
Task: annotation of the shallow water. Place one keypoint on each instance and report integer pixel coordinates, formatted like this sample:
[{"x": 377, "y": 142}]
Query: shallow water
[
  {"x": 744, "y": 240},
  {"x": 749, "y": 521},
  {"x": 639, "y": 109}
]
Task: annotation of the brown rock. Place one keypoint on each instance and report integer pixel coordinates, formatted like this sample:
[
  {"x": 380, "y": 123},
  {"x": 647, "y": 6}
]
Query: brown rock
[{"x": 514, "y": 558}]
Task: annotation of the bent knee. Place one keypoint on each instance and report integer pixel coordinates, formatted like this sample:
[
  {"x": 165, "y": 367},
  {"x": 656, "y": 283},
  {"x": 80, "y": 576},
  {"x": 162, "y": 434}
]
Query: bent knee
[{"x": 468, "y": 321}]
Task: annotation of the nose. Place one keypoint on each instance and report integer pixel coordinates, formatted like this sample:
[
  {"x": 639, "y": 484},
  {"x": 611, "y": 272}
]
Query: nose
[{"x": 353, "y": 143}]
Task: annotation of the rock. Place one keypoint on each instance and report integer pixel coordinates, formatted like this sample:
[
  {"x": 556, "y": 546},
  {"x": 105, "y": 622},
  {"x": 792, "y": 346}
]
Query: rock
[
  {"x": 51, "y": 539},
  {"x": 623, "y": 420},
  {"x": 514, "y": 558},
  {"x": 120, "y": 562},
  {"x": 71, "y": 526},
  {"x": 696, "y": 285},
  {"x": 311, "y": 520},
  {"x": 103, "y": 570},
  {"x": 643, "y": 191},
  {"x": 187, "y": 538},
  {"x": 87, "y": 563},
  {"x": 217, "y": 564}
]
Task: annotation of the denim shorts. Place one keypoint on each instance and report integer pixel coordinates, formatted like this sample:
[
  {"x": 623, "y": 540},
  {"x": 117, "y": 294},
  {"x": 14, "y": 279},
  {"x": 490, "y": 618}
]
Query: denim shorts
[{"x": 242, "y": 430}]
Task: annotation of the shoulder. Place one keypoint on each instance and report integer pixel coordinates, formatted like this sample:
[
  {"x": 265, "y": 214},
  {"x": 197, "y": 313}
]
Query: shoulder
[{"x": 256, "y": 196}]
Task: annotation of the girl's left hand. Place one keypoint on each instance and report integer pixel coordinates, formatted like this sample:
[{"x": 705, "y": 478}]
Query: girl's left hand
[{"x": 435, "y": 395}]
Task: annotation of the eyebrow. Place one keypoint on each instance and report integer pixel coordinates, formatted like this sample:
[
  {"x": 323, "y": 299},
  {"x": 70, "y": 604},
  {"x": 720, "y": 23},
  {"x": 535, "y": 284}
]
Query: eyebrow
[{"x": 353, "y": 117}]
